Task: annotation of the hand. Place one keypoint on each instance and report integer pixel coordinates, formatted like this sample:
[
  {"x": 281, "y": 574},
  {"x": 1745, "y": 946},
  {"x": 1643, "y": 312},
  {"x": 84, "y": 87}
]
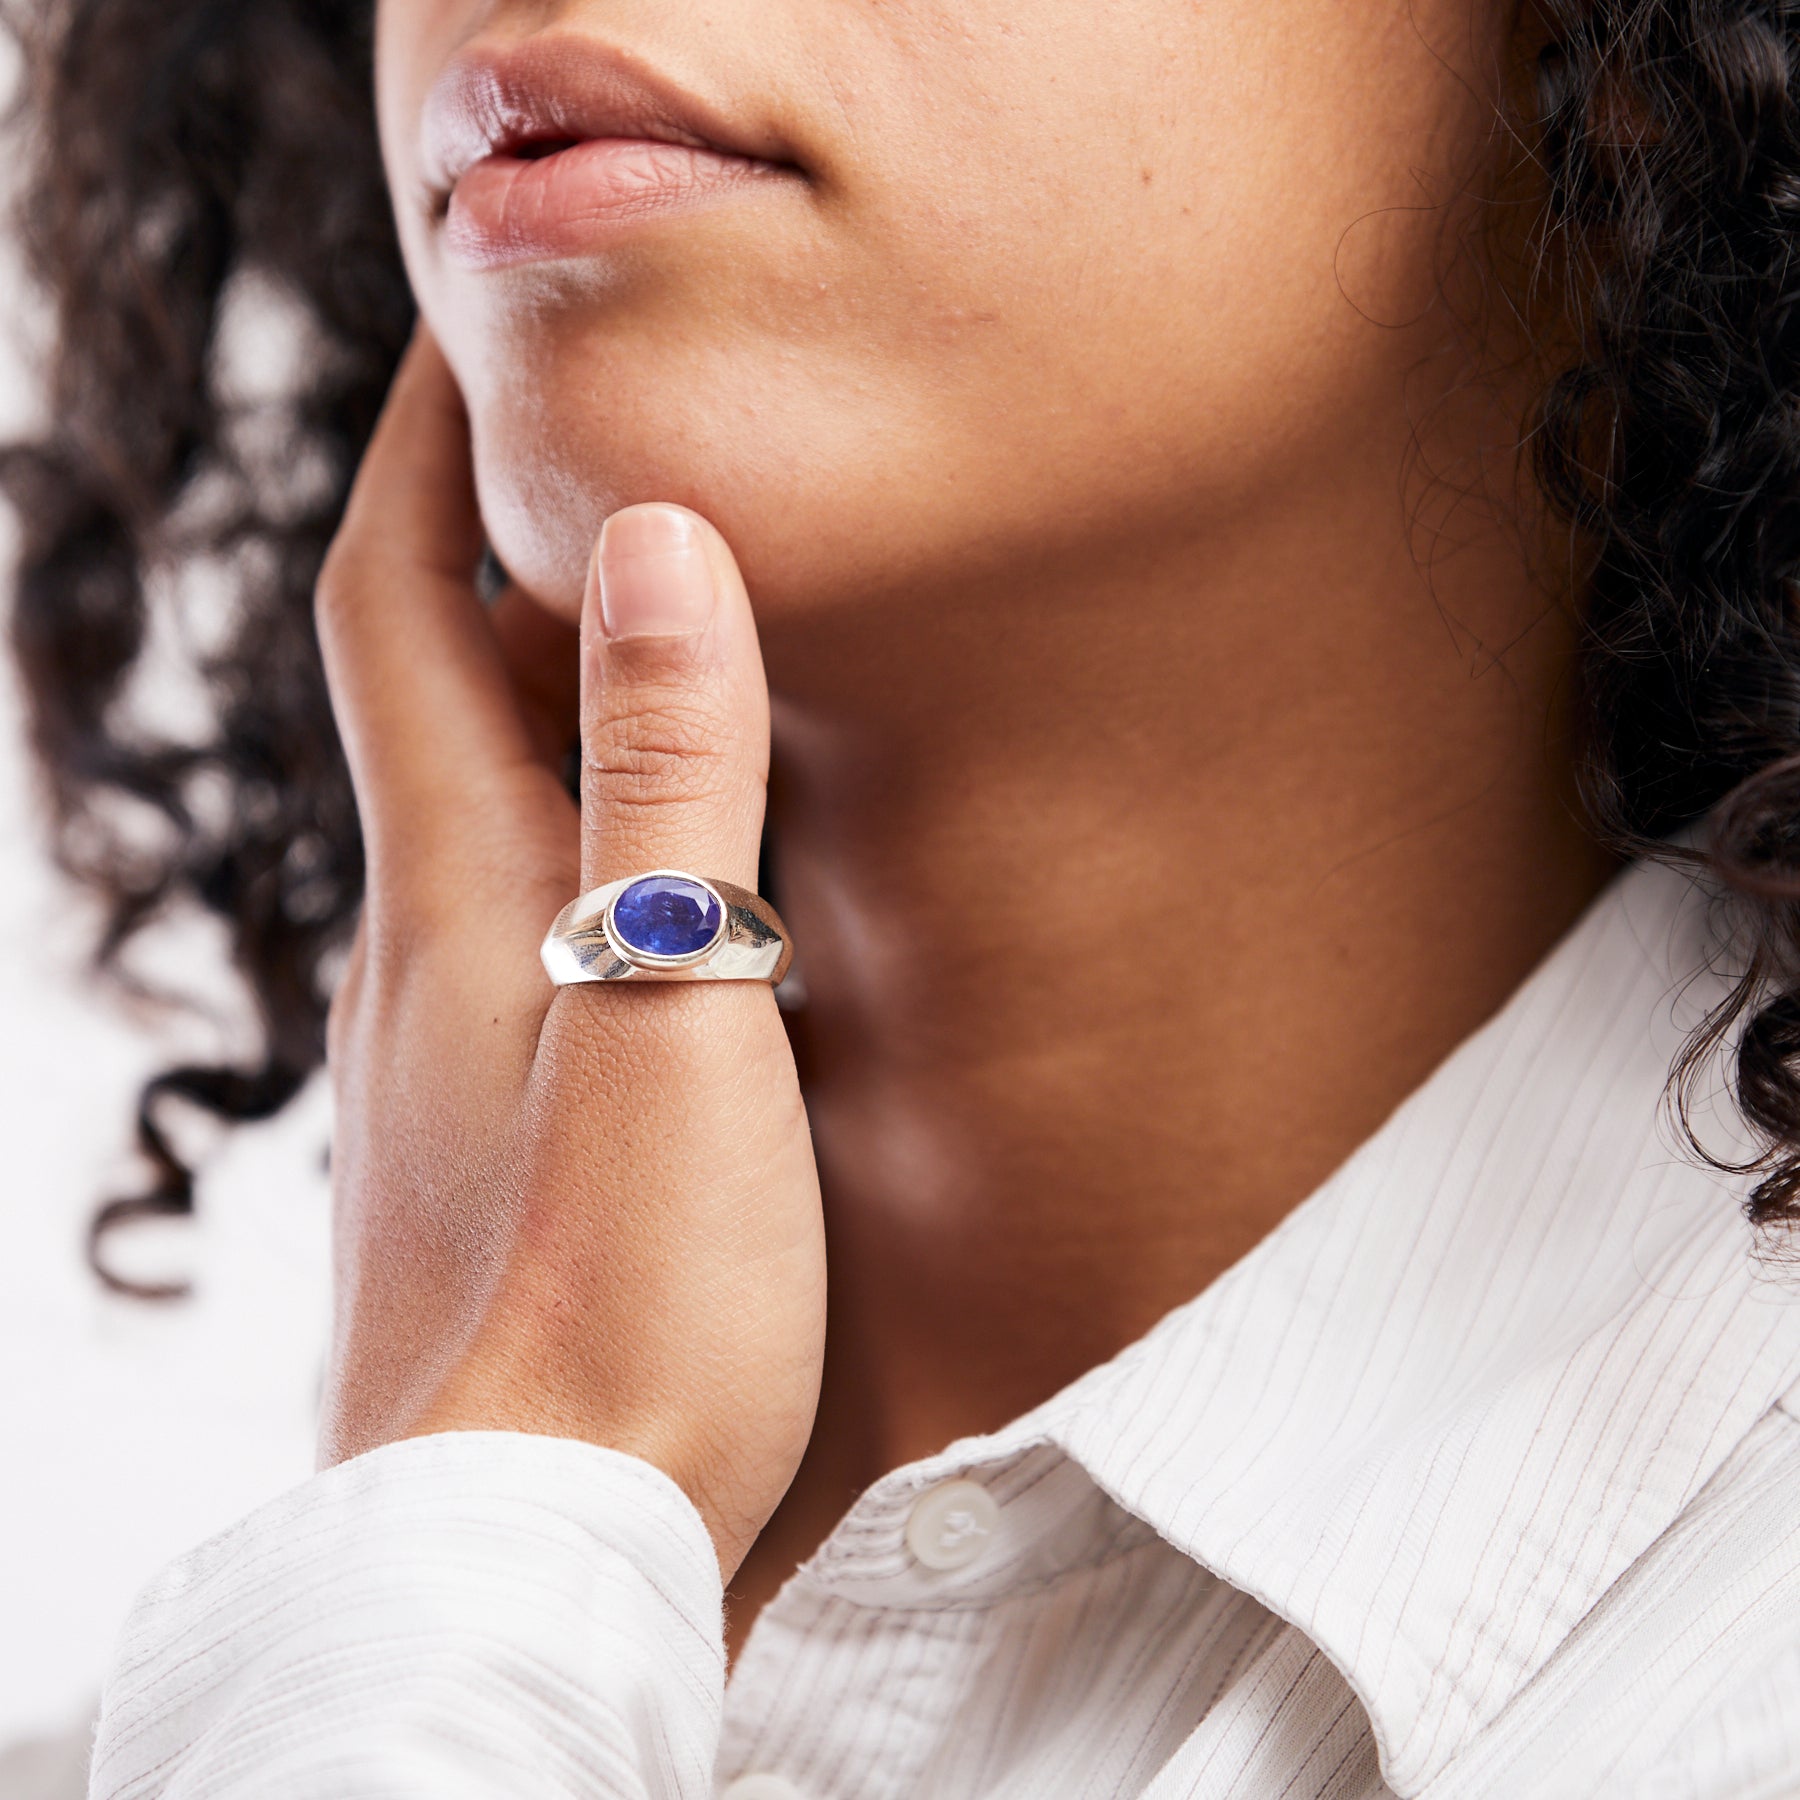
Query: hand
[{"x": 589, "y": 1212}]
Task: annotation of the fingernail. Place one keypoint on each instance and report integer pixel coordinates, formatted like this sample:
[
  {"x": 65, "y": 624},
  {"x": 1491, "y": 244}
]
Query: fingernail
[{"x": 655, "y": 576}]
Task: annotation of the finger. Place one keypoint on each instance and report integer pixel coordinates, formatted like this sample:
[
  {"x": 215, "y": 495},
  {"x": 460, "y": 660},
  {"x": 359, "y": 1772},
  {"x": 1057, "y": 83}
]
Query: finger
[
  {"x": 542, "y": 654},
  {"x": 438, "y": 748},
  {"x": 675, "y": 710}
]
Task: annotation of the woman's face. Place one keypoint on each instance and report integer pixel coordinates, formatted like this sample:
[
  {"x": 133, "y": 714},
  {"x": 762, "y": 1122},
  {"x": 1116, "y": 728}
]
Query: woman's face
[{"x": 980, "y": 281}]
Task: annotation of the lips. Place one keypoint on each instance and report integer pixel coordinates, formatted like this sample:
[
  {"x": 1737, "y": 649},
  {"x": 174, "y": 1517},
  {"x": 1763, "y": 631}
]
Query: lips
[{"x": 552, "y": 147}]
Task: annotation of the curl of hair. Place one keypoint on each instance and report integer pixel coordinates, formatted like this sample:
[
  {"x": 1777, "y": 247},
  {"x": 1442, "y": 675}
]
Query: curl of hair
[
  {"x": 180, "y": 146},
  {"x": 1670, "y": 137},
  {"x": 184, "y": 143}
]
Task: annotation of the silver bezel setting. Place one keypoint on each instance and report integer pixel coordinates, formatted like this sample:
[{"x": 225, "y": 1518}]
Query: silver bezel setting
[
  {"x": 584, "y": 945},
  {"x": 648, "y": 959}
]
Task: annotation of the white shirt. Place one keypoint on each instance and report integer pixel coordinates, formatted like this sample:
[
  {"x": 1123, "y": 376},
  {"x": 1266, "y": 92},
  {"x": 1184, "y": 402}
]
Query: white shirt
[{"x": 1480, "y": 1476}]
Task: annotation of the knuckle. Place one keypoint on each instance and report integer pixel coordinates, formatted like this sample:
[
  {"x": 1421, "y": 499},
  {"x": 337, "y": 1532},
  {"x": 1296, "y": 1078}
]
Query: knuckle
[
  {"x": 409, "y": 927},
  {"x": 337, "y": 583},
  {"x": 661, "y": 754},
  {"x": 339, "y": 1025},
  {"x": 386, "y": 939},
  {"x": 353, "y": 567},
  {"x": 347, "y": 993}
]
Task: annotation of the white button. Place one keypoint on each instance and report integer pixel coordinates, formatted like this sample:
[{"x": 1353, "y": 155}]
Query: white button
[
  {"x": 951, "y": 1525},
  {"x": 761, "y": 1787}
]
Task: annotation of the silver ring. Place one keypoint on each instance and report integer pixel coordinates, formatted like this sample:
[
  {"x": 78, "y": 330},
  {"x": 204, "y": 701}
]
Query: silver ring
[{"x": 667, "y": 925}]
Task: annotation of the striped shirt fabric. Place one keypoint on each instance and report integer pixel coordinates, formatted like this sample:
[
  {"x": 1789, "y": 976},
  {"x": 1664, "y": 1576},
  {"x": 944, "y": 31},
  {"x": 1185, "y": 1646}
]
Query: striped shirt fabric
[{"x": 1480, "y": 1476}]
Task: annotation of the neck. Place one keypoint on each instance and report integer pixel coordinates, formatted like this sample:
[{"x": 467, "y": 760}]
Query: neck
[{"x": 1124, "y": 920}]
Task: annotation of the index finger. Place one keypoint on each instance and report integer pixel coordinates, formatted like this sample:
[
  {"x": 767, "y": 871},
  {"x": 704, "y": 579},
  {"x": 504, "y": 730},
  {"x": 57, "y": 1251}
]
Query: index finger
[{"x": 437, "y": 745}]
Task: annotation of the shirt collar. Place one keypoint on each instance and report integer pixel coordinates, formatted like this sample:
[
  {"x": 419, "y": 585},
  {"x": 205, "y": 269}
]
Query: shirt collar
[{"x": 1434, "y": 1415}]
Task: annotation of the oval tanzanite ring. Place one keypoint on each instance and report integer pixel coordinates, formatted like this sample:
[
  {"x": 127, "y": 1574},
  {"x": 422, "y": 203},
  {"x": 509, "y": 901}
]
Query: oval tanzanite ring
[{"x": 667, "y": 926}]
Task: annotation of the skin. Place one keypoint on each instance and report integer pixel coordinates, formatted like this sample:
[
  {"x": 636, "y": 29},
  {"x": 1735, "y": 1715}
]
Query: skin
[{"x": 1114, "y": 428}]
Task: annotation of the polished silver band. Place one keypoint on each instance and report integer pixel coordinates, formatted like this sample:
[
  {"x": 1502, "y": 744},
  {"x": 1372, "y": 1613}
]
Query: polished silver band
[{"x": 590, "y": 942}]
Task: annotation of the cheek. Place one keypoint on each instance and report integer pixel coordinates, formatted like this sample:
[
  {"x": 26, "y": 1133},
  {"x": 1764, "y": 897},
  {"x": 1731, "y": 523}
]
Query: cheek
[{"x": 1132, "y": 295}]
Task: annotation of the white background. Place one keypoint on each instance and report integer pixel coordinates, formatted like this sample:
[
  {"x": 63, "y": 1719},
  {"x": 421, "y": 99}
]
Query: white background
[{"x": 127, "y": 1431}]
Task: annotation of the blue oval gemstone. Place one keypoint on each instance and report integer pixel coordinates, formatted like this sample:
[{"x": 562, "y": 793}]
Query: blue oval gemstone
[{"x": 666, "y": 915}]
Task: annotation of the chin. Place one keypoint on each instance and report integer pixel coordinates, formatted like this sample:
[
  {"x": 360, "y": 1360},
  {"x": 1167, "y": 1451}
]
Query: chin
[
  {"x": 838, "y": 468},
  {"x": 545, "y": 493},
  {"x": 783, "y": 469},
  {"x": 541, "y": 522}
]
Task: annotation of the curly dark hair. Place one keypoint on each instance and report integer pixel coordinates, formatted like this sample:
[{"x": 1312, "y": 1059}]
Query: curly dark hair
[
  {"x": 179, "y": 154},
  {"x": 1669, "y": 135}
]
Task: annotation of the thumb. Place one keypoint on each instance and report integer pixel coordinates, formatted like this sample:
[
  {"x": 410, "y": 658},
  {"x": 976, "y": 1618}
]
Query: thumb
[{"x": 674, "y": 706}]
